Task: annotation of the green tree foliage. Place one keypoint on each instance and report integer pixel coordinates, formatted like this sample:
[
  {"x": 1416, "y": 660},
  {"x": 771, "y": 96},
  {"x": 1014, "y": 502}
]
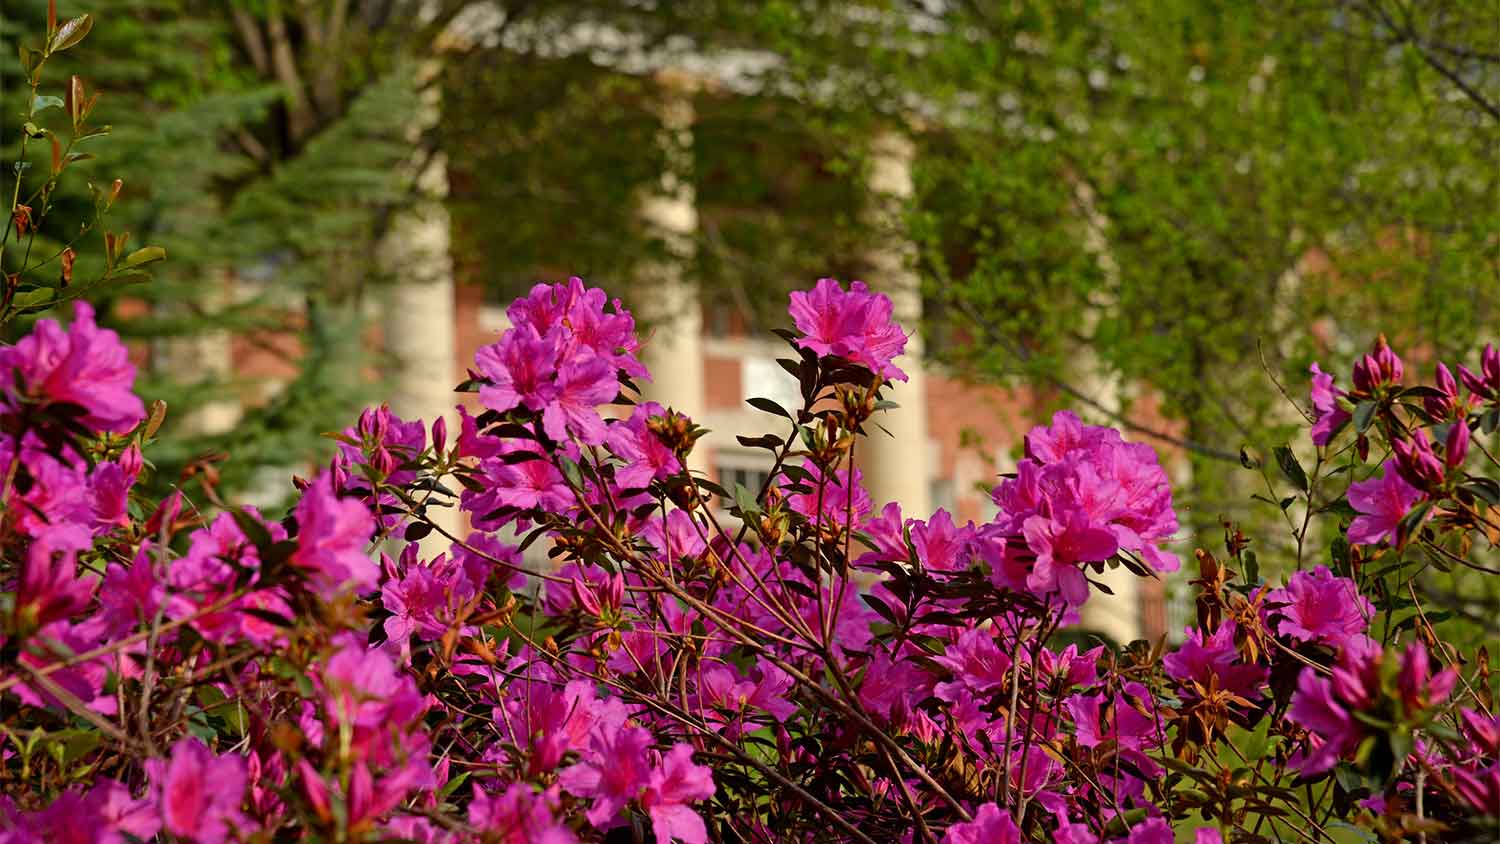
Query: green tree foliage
[
  {"x": 260, "y": 147},
  {"x": 1216, "y": 150}
]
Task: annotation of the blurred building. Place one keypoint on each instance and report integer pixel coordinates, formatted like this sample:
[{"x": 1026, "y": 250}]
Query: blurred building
[{"x": 949, "y": 439}]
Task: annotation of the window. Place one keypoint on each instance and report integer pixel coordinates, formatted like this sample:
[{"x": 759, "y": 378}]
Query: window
[
  {"x": 746, "y": 470},
  {"x": 763, "y": 377}
]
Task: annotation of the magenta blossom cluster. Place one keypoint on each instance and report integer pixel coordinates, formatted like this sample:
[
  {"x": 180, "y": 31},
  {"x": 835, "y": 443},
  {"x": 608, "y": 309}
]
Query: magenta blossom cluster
[
  {"x": 1327, "y": 707},
  {"x": 853, "y": 324},
  {"x": 560, "y": 358},
  {"x": 614, "y": 647},
  {"x": 1082, "y": 495}
]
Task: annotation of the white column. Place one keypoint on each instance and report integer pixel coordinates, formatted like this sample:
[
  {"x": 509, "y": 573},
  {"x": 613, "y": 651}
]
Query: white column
[
  {"x": 668, "y": 300},
  {"x": 419, "y": 310},
  {"x": 898, "y": 467},
  {"x": 1117, "y": 615}
]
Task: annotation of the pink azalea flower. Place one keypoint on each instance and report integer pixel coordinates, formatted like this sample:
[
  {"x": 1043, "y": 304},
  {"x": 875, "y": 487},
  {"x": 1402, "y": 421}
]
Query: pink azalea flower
[
  {"x": 940, "y": 545},
  {"x": 120, "y": 814},
  {"x": 1330, "y": 417},
  {"x": 363, "y": 688},
  {"x": 1319, "y": 607},
  {"x": 1060, "y": 546},
  {"x": 331, "y": 539},
  {"x": 84, "y": 366},
  {"x": 197, "y": 792},
  {"x": 612, "y": 773},
  {"x": 519, "y": 815},
  {"x": 426, "y": 600},
  {"x": 1325, "y": 706},
  {"x": 1214, "y": 659},
  {"x": 525, "y": 485},
  {"x": 674, "y": 784},
  {"x": 547, "y": 722},
  {"x": 991, "y": 825},
  {"x": 595, "y": 325},
  {"x": 837, "y": 498},
  {"x": 582, "y": 387},
  {"x": 49, "y": 588},
  {"x": 644, "y": 457},
  {"x": 890, "y": 684},
  {"x": 521, "y": 369},
  {"x": 856, "y": 325},
  {"x": 1081, "y": 495},
  {"x": 1151, "y": 831},
  {"x": 978, "y": 664}
]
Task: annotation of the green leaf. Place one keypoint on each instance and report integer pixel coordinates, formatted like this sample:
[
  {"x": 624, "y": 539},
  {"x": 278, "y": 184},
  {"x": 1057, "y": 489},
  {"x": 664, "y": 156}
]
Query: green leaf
[
  {"x": 70, "y": 33},
  {"x": 44, "y": 102},
  {"x": 145, "y": 255},
  {"x": 252, "y": 528},
  {"x": 1287, "y": 460},
  {"x": 1364, "y": 414},
  {"x": 744, "y": 499},
  {"x": 768, "y": 406}
]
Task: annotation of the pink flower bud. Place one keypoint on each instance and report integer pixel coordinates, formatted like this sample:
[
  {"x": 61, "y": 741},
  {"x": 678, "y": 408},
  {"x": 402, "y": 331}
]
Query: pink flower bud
[
  {"x": 614, "y": 591},
  {"x": 585, "y": 598},
  {"x": 1418, "y": 688},
  {"x": 1476, "y": 384},
  {"x": 1391, "y": 368},
  {"x": 1444, "y": 406},
  {"x": 314, "y": 789},
  {"x": 1366, "y": 374},
  {"x": 1416, "y": 462},
  {"x": 439, "y": 435},
  {"x": 166, "y": 513},
  {"x": 130, "y": 461},
  {"x": 1489, "y": 364},
  {"x": 383, "y": 461},
  {"x": 1456, "y": 448}
]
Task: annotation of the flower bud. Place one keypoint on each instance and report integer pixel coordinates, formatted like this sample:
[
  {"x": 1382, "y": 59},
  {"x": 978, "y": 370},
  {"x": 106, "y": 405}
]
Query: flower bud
[
  {"x": 439, "y": 435},
  {"x": 1416, "y": 462},
  {"x": 383, "y": 461},
  {"x": 130, "y": 461},
  {"x": 614, "y": 591},
  {"x": 584, "y": 597},
  {"x": 166, "y": 513},
  {"x": 1475, "y": 383},
  {"x": 315, "y": 790},
  {"x": 1442, "y": 407},
  {"x": 1456, "y": 448},
  {"x": 371, "y": 425}
]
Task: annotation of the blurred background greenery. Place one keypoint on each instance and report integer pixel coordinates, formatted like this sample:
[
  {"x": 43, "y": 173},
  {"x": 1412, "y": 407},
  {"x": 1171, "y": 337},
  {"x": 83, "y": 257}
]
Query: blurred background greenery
[{"x": 1191, "y": 199}]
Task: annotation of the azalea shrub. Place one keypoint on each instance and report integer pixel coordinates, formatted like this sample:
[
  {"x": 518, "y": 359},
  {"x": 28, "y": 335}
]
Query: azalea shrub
[{"x": 617, "y": 648}]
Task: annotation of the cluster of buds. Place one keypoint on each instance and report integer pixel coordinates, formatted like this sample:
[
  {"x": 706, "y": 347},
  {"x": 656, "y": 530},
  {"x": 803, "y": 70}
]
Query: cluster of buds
[
  {"x": 1378, "y": 370},
  {"x": 859, "y": 403},
  {"x": 372, "y": 428},
  {"x": 1420, "y": 466},
  {"x": 676, "y": 432},
  {"x": 828, "y": 439}
]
